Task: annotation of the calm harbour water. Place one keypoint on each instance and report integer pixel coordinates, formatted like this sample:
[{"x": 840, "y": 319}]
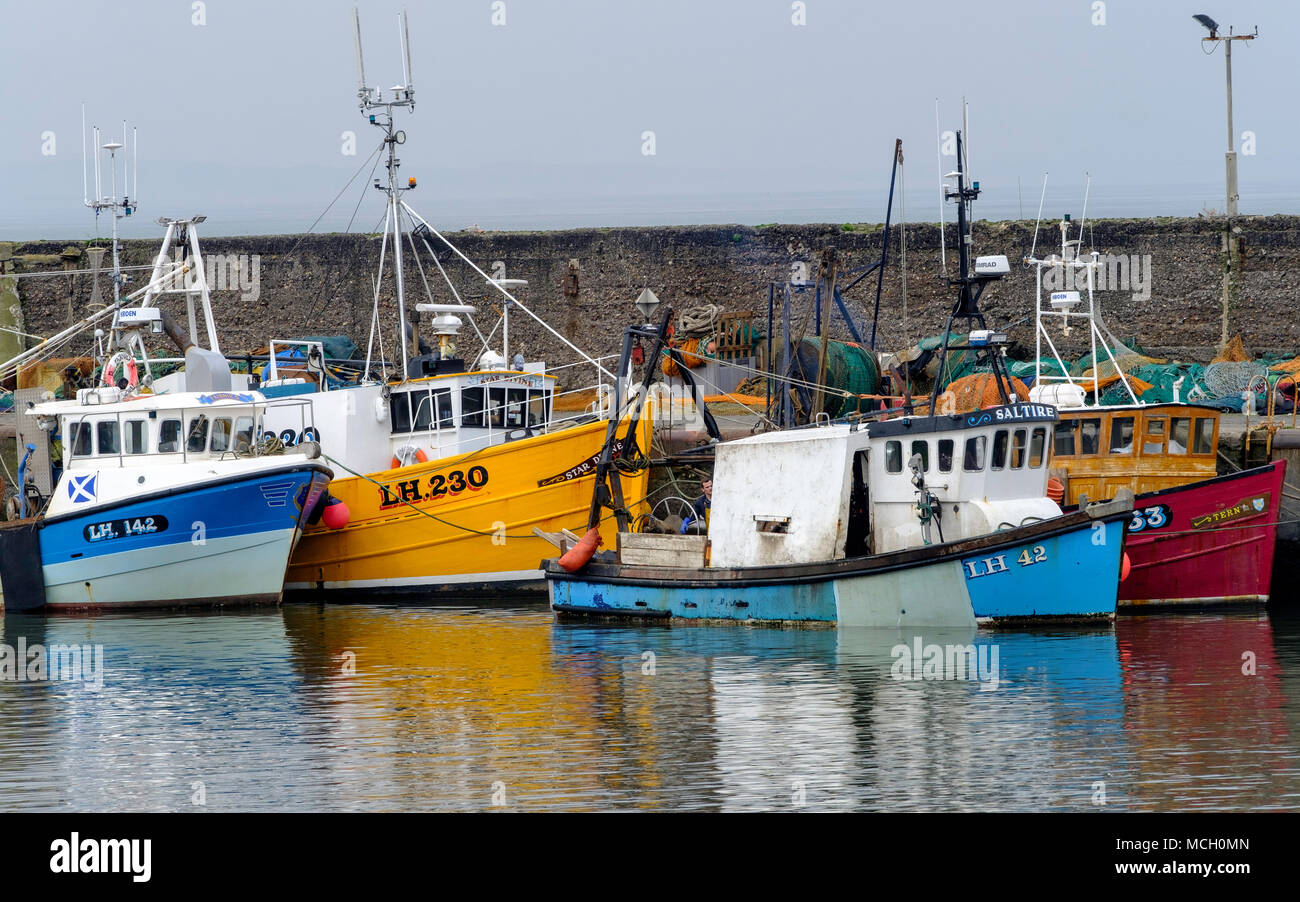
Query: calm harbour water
[{"x": 351, "y": 708}]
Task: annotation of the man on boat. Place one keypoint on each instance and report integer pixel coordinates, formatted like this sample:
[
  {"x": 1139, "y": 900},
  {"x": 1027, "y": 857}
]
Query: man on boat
[{"x": 701, "y": 506}]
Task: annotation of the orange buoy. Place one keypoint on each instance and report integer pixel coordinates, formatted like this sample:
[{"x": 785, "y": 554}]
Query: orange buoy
[
  {"x": 420, "y": 457},
  {"x": 336, "y": 514},
  {"x": 576, "y": 557},
  {"x": 1124, "y": 567},
  {"x": 1055, "y": 489}
]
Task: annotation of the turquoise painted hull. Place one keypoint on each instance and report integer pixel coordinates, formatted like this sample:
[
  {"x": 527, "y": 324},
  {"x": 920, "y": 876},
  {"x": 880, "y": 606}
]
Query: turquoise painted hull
[{"x": 1053, "y": 571}]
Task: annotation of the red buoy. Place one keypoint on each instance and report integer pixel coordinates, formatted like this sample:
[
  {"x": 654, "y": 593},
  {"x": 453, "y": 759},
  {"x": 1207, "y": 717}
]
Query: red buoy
[
  {"x": 576, "y": 557},
  {"x": 1125, "y": 566},
  {"x": 336, "y": 514}
]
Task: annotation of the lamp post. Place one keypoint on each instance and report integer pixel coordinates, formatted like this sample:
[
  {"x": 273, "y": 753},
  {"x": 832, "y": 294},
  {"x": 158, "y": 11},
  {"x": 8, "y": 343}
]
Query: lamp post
[{"x": 1231, "y": 156}]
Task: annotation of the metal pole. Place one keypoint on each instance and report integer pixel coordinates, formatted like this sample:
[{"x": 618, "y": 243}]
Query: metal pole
[
  {"x": 1231, "y": 156},
  {"x": 771, "y": 293}
]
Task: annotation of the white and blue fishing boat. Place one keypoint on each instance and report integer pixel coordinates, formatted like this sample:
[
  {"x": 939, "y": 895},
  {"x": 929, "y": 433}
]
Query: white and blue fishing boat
[
  {"x": 837, "y": 524},
  {"x": 170, "y": 500},
  {"x": 938, "y": 520},
  {"x": 169, "y": 490}
]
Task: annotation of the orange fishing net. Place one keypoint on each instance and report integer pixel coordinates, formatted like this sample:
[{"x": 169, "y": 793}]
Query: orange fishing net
[
  {"x": 689, "y": 349},
  {"x": 977, "y": 391},
  {"x": 1233, "y": 352}
]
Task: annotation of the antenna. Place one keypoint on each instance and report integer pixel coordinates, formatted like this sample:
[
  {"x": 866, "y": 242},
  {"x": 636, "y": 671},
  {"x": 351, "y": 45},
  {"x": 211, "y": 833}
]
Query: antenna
[
  {"x": 404, "y": 39},
  {"x": 135, "y": 163},
  {"x": 1042, "y": 197},
  {"x": 1087, "y": 188},
  {"x": 938, "y": 152},
  {"x": 363, "y": 93},
  {"x": 965, "y": 131},
  {"x": 85, "y": 188},
  {"x": 99, "y": 190}
]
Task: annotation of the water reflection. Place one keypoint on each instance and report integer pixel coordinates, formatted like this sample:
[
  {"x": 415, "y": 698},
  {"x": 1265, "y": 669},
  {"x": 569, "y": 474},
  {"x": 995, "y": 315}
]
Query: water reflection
[{"x": 371, "y": 708}]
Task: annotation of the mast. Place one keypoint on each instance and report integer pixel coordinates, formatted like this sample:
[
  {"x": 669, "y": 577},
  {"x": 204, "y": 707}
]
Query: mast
[
  {"x": 970, "y": 286},
  {"x": 380, "y": 114}
]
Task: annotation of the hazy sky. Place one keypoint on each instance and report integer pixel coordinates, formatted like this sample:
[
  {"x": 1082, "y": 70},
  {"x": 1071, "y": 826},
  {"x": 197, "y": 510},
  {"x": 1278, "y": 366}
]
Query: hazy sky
[{"x": 538, "y": 123}]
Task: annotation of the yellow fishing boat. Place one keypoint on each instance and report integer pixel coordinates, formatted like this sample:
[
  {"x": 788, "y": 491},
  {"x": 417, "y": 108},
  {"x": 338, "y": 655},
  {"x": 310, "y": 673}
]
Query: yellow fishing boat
[
  {"x": 447, "y": 465},
  {"x": 464, "y": 522}
]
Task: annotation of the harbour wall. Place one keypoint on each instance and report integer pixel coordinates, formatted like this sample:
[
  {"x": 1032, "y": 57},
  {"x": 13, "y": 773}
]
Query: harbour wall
[{"x": 583, "y": 281}]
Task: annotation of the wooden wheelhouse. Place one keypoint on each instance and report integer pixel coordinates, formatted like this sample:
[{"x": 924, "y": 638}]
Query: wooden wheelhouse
[{"x": 1098, "y": 450}]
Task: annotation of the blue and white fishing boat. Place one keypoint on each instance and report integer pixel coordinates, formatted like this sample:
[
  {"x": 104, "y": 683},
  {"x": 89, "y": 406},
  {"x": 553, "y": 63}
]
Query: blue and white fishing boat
[
  {"x": 836, "y": 524},
  {"x": 171, "y": 500},
  {"x": 169, "y": 492},
  {"x": 940, "y": 520}
]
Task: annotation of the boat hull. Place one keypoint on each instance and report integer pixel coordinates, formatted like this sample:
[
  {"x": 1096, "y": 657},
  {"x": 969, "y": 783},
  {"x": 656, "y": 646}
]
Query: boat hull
[
  {"x": 1065, "y": 569},
  {"x": 459, "y": 525},
  {"x": 224, "y": 542},
  {"x": 1210, "y": 542}
]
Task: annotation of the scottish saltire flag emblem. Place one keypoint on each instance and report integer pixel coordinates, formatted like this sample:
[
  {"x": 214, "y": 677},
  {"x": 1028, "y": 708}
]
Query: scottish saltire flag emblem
[
  {"x": 81, "y": 488},
  {"x": 276, "y": 493}
]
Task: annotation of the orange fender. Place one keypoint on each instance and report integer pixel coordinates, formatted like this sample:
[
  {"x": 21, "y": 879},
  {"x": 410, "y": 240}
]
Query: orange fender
[{"x": 576, "y": 557}]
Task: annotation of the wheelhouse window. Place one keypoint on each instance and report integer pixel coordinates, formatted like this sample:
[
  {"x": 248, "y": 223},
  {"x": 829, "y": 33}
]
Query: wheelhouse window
[
  {"x": 973, "y": 460},
  {"x": 442, "y": 404},
  {"x": 1018, "y": 441},
  {"x": 893, "y": 457},
  {"x": 1089, "y": 436},
  {"x": 1180, "y": 430},
  {"x": 497, "y": 408},
  {"x": 999, "y": 450},
  {"x": 244, "y": 434},
  {"x": 135, "y": 437},
  {"x": 922, "y": 449},
  {"x": 399, "y": 408},
  {"x": 1037, "y": 447},
  {"x": 471, "y": 407},
  {"x": 539, "y": 407},
  {"x": 1063, "y": 438},
  {"x": 1121, "y": 435},
  {"x": 516, "y": 407},
  {"x": 421, "y": 411},
  {"x": 106, "y": 436},
  {"x": 221, "y": 434},
  {"x": 1154, "y": 443},
  {"x": 169, "y": 436},
  {"x": 1203, "y": 441},
  {"x": 80, "y": 440},
  {"x": 197, "y": 436},
  {"x": 945, "y": 455}
]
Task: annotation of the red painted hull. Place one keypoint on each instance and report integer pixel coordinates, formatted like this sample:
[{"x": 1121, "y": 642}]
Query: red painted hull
[{"x": 1205, "y": 543}]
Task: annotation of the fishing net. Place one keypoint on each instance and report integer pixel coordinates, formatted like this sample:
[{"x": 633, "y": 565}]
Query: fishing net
[
  {"x": 1233, "y": 352},
  {"x": 691, "y": 354},
  {"x": 1232, "y": 377},
  {"x": 977, "y": 391}
]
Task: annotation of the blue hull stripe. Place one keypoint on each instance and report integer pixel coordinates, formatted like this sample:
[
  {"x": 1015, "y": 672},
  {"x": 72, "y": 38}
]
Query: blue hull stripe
[{"x": 260, "y": 503}]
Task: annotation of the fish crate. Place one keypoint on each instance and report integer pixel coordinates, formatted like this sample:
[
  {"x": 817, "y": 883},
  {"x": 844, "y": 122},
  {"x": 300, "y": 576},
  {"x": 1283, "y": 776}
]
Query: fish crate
[{"x": 662, "y": 549}]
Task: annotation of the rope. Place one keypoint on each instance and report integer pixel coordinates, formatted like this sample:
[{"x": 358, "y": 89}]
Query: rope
[{"x": 698, "y": 321}]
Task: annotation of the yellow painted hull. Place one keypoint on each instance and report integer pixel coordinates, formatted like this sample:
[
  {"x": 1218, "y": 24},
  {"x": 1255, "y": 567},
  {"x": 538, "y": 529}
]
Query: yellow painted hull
[{"x": 462, "y": 523}]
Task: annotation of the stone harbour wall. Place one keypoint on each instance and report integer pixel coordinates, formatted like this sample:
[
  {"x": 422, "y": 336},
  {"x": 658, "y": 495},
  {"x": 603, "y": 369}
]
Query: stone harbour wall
[{"x": 584, "y": 281}]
